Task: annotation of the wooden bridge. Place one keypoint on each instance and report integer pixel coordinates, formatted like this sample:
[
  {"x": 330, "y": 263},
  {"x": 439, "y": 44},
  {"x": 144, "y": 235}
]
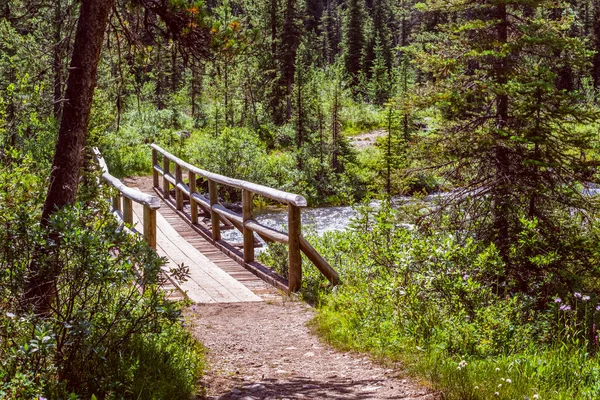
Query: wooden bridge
[{"x": 184, "y": 226}]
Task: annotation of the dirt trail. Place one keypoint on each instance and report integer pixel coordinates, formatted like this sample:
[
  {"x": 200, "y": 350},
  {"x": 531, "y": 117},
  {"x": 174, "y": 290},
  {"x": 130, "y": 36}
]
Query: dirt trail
[
  {"x": 266, "y": 351},
  {"x": 367, "y": 139}
]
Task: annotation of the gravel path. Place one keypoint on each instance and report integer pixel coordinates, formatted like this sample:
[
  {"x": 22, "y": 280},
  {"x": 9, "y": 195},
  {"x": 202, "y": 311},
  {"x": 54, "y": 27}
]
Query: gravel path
[
  {"x": 367, "y": 139},
  {"x": 266, "y": 351}
]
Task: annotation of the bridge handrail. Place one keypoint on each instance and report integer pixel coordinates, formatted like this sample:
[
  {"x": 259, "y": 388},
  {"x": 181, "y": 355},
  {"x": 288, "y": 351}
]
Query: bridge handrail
[
  {"x": 243, "y": 222},
  {"x": 130, "y": 195},
  {"x": 275, "y": 194}
]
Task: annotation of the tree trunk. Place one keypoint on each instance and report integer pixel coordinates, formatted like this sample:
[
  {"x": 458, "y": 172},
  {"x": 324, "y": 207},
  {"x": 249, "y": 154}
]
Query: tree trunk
[
  {"x": 68, "y": 156},
  {"x": 499, "y": 193},
  {"x": 57, "y": 62},
  {"x": 596, "y": 58}
]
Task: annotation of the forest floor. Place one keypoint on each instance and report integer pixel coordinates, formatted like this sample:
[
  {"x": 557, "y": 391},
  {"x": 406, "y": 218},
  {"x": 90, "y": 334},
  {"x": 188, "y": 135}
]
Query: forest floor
[{"x": 267, "y": 351}]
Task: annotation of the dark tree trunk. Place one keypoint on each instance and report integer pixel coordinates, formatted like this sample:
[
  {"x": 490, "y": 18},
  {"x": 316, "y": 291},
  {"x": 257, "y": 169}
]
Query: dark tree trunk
[
  {"x": 502, "y": 167},
  {"x": 300, "y": 133},
  {"x": 57, "y": 62},
  {"x": 69, "y": 153},
  {"x": 596, "y": 59}
]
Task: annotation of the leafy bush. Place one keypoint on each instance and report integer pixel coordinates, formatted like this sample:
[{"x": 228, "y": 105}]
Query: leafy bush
[
  {"x": 110, "y": 333},
  {"x": 439, "y": 302}
]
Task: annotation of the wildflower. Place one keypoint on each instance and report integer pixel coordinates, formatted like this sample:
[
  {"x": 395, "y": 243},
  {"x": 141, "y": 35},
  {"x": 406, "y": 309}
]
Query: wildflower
[
  {"x": 499, "y": 385},
  {"x": 508, "y": 380},
  {"x": 10, "y": 315},
  {"x": 585, "y": 298},
  {"x": 535, "y": 396},
  {"x": 42, "y": 398},
  {"x": 497, "y": 369},
  {"x": 476, "y": 387},
  {"x": 496, "y": 394},
  {"x": 577, "y": 295},
  {"x": 558, "y": 300},
  {"x": 462, "y": 364},
  {"x": 565, "y": 307},
  {"x": 598, "y": 307}
]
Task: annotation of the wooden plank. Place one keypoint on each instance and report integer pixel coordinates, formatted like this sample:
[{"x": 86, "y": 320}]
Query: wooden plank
[
  {"x": 208, "y": 283},
  {"x": 260, "y": 271},
  {"x": 221, "y": 286}
]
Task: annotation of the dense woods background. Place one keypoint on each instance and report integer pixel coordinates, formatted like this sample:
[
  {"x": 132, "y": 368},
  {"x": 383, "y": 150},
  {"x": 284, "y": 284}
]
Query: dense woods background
[{"x": 492, "y": 103}]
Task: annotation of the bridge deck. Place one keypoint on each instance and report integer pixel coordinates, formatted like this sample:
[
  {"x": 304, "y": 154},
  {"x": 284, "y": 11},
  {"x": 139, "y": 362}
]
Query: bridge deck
[{"x": 213, "y": 276}]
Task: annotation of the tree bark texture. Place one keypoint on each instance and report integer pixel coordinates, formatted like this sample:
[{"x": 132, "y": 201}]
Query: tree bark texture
[{"x": 69, "y": 153}]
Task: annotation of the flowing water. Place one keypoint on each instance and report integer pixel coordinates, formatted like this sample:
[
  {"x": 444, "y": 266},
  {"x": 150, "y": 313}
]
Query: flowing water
[
  {"x": 324, "y": 219},
  {"x": 317, "y": 219}
]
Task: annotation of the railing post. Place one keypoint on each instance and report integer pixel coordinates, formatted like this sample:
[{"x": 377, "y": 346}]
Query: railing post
[
  {"x": 193, "y": 205},
  {"x": 127, "y": 210},
  {"x": 214, "y": 217},
  {"x": 116, "y": 201},
  {"x": 154, "y": 171},
  {"x": 248, "y": 234},
  {"x": 178, "y": 192},
  {"x": 150, "y": 226},
  {"x": 166, "y": 166},
  {"x": 294, "y": 256}
]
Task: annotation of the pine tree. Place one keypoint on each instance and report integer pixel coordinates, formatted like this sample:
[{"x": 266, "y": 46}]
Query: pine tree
[
  {"x": 380, "y": 84},
  {"x": 355, "y": 40},
  {"x": 508, "y": 138}
]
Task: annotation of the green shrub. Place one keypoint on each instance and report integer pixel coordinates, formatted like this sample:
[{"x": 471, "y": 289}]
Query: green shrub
[
  {"x": 439, "y": 303},
  {"x": 110, "y": 333}
]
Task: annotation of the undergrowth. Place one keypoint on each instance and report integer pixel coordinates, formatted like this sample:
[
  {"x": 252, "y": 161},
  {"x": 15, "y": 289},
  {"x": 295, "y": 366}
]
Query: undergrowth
[
  {"x": 111, "y": 333},
  {"x": 439, "y": 304}
]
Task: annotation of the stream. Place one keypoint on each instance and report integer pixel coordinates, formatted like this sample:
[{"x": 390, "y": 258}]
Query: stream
[
  {"x": 317, "y": 219},
  {"x": 330, "y": 218}
]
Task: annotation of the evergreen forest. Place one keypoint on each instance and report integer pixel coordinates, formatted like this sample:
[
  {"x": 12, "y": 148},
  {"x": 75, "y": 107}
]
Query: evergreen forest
[{"x": 464, "y": 135}]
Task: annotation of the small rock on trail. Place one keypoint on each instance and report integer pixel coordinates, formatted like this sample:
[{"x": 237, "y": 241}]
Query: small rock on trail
[{"x": 266, "y": 351}]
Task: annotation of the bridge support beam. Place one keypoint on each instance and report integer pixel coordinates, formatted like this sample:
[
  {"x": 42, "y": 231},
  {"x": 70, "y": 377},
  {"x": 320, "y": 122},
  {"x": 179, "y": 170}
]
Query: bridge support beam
[
  {"x": 193, "y": 204},
  {"x": 247, "y": 204},
  {"x": 294, "y": 256},
  {"x": 178, "y": 192},
  {"x": 166, "y": 168},
  {"x": 150, "y": 226},
  {"x": 214, "y": 217},
  {"x": 154, "y": 171}
]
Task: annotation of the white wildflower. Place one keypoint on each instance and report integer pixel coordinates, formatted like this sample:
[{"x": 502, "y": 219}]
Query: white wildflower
[{"x": 508, "y": 380}]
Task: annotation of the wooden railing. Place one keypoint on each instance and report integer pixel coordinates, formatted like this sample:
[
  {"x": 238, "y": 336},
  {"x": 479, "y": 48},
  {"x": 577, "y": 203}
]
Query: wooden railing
[
  {"x": 124, "y": 198},
  {"x": 244, "y": 222}
]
